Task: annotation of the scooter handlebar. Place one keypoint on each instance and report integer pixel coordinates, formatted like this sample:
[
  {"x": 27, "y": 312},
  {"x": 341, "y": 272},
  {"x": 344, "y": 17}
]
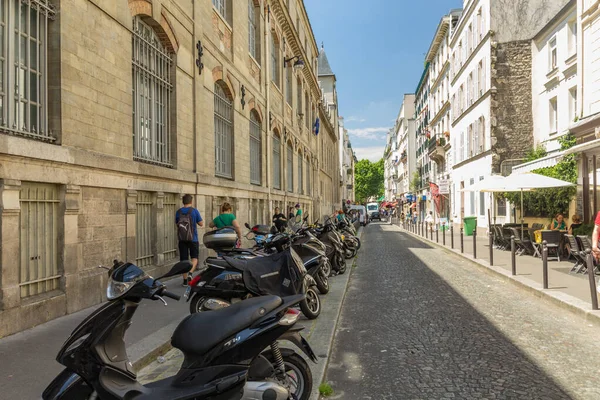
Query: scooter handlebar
[{"x": 171, "y": 295}]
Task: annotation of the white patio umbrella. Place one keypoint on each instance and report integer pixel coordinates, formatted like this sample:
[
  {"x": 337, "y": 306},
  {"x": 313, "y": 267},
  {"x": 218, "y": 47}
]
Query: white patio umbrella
[
  {"x": 520, "y": 182},
  {"x": 491, "y": 184}
]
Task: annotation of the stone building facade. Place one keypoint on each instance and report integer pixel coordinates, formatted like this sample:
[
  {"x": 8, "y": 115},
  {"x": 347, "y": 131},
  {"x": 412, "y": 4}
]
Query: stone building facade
[{"x": 118, "y": 107}]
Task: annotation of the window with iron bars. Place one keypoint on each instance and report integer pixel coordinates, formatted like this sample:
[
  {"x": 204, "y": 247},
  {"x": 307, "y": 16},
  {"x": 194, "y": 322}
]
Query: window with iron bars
[
  {"x": 223, "y": 132},
  {"x": 23, "y": 67},
  {"x": 170, "y": 203},
  {"x": 152, "y": 89},
  {"x": 39, "y": 238},
  {"x": 143, "y": 229},
  {"x": 255, "y": 149}
]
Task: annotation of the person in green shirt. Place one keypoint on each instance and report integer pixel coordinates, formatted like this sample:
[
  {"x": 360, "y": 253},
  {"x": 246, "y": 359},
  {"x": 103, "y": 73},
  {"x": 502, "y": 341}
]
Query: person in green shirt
[
  {"x": 298, "y": 213},
  {"x": 226, "y": 218},
  {"x": 559, "y": 223}
]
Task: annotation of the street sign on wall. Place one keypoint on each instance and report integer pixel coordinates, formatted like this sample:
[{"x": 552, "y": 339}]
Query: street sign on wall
[{"x": 444, "y": 186}]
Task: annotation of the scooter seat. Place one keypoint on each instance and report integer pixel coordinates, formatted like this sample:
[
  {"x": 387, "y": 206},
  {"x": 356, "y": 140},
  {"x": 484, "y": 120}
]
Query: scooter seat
[{"x": 198, "y": 333}]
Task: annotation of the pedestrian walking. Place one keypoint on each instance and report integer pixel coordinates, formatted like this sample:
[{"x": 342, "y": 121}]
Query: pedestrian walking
[
  {"x": 227, "y": 218},
  {"x": 298, "y": 213},
  {"x": 429, "y": 221},
  {"x": 187, "y": 219},
  {"x": 279, "y": 220}
]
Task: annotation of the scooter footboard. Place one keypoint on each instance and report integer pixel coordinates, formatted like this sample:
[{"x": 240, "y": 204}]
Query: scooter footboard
[{"x": 67, "y": 386}]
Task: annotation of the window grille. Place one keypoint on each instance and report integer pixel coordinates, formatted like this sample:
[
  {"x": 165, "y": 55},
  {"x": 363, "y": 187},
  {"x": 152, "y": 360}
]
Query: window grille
[
  {"x": 223, "y": 133},
  {"x": 152, "y": 88},
  {"x": 276, "y": 162},
  {"x": 290, "y": 170},
  {"x": 23, "y": 67},
  {"x": 255, "y": 149},
  {"x": 170, "y": 203},
  {"x": 221, "y": 7},
  {"x": 252, "y": 29},
  {"x": 300, "y": 174},
  {"x": 143, "y": 229},
  {"x": 39, "y": 239}
]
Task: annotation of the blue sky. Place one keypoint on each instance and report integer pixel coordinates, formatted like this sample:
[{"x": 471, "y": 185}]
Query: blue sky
[{"x": 377, "y": 49}]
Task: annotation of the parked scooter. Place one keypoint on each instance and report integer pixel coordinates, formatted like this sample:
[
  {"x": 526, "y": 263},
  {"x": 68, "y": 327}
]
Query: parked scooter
[
  {"x": 248, "y": 273},
  {"x": 327, "y": 234},
  {"x": 226, "y": 356}
]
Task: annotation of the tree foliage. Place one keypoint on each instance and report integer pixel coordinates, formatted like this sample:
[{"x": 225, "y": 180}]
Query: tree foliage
[
  {"x": 415, "y": 182},
  {"x": 549, "y": 202},
  {"x": 368, "y": 179}
]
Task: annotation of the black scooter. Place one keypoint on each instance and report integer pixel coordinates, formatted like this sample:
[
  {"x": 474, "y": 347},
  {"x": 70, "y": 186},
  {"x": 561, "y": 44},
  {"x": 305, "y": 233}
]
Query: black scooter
[{"x": 225, "y": 350}]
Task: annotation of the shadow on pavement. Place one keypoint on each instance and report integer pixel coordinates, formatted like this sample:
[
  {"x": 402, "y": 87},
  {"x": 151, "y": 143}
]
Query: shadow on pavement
[{"x": 406, "y": 333}]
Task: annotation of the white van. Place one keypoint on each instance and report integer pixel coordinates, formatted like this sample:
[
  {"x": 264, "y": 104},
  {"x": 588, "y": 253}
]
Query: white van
[
  {"x": 362, "y": 213},
  {"x": 372, "y": 208}
]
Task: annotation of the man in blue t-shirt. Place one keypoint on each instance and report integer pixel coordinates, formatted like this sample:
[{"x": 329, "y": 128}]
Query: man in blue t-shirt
[{"x": 189, "y": 248}]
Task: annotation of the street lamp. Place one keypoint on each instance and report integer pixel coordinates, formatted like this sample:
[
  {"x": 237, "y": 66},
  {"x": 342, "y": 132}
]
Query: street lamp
[{"x": 299, "y": 64}]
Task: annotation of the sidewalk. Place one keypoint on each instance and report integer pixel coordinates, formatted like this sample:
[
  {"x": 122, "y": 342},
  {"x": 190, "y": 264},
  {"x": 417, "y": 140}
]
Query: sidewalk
[
  {"x": 570, "y": 290},
  {"x": 28, "y": 358}
]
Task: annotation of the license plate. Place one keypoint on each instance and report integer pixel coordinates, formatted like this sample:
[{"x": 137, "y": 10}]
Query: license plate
[{"x": 186, "y": 295}]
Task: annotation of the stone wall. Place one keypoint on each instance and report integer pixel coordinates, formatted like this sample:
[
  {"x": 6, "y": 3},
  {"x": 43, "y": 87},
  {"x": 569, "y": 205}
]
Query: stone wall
[{"x": 511, "y": 106}]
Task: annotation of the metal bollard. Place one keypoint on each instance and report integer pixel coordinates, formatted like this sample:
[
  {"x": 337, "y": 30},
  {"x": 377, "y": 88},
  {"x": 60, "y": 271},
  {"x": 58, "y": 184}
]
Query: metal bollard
[
  {"x": 545, "y": 263},
  {"x": 452, "y": 237},
  {"x": 592, "y": 279},
  {"x": 513, "y": 255},
  {"x": 444, "y": 236},
  {"x": 426, "y": 230},
  {"x": 491, "y": 243},
  {"x": 437, "y": 235},
  {"x": 475, "y": 243},
  {"x": 462, "y": 245}
]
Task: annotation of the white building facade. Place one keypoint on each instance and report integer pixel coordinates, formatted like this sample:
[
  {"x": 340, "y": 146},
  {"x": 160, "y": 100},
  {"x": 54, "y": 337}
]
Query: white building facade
[
  {"x": 405, "y": 139},
  {"x": 346, "y": 164}
]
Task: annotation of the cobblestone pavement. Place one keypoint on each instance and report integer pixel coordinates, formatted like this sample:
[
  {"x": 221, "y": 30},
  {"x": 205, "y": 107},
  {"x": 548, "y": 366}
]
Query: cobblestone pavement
[{"x": 421, "y": 323}]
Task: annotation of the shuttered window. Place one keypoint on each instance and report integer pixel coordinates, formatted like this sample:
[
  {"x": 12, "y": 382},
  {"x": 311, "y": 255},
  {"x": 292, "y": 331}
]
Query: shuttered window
[
  {"x": 255, "y": 149},
  {"x": 170, "y": 204},
  {"x": 143, "y": 229},
  {"x": 223, "y": 132},
  {"x": 39, "y": 239},
  {"x": 276, "y": 162},
  {"x": 290, "y": 168},
  {"x": 152, "y": 87}
]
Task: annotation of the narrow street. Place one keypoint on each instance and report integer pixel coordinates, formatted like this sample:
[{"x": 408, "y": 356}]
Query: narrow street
[{"x": 421, "y": 323}]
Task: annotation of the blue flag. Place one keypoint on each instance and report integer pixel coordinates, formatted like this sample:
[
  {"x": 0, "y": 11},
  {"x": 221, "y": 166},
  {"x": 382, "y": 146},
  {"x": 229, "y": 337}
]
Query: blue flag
[{"x": 316, "y": 127}]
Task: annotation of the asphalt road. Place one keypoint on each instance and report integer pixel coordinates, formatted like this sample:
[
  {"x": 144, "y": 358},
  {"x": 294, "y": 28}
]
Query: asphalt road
[
  {"x": 27, "y": 359},
  {"x": 421, "y": 323}
]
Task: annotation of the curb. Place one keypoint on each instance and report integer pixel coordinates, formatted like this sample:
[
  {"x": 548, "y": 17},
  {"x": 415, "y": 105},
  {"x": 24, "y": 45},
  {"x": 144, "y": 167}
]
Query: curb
[
  {"x": 319, "y": 376},
  {"x": 567, "y": 302}
]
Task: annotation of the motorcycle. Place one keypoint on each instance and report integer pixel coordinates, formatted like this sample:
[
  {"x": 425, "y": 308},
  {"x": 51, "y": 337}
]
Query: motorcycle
[
  {"x": 327, "y": 234},
  {"x": 230, "y": 354},
  {"x": 249, "y": 273}
]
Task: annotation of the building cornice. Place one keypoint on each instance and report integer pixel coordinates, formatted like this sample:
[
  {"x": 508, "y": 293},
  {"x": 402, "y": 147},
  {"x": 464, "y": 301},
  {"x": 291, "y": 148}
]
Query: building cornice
[
  {"x": 440, "y": 114},
  {"x": 474, "y": 158},
  {"x": 440, "y": 75},
  {"x": 438, "y": 38},
  {"x": 462, "y": 22}
]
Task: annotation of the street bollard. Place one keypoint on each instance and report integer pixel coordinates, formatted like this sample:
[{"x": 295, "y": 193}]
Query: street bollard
[
  {"x": 513, "y": 255},
  {"x": 452, "y": 237},
  {"x": 418, "y": 229},
  {"x": 462, "y": 246},
  {"x": 475, "y": 243},
  {"x": 491, "y": 243},
  {"x": 437, "y": 235},
  {"x": 426, "y": 230},
  {"x": 545, "y": 263},
  {"x": 592, "y": 279},
  {"x": 444, "y": 236}
]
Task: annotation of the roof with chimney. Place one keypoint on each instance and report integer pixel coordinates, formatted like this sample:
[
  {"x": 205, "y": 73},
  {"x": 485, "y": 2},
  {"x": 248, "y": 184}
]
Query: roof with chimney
[{"x": 324, "y": 67}]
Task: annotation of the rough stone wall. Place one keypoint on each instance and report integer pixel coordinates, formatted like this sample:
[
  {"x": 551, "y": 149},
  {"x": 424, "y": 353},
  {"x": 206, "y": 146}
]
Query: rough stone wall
[{"x": 511, "y": 113}]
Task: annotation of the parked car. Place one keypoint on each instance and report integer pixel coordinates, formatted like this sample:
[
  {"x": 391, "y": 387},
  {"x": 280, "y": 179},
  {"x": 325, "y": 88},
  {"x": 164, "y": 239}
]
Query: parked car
[{"x": 375, "y": 216}]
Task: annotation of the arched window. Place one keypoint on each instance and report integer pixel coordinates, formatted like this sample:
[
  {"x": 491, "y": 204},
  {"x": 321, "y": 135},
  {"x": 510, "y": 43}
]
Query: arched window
[
  {"x": 300, "y": 173},
  {"x": 152, "y": 88},
  {"x": 255, "y": 149},
  {"x": 275, "y": 70},
  {"x": 290, "y": 167},
  {"x": 308, "y": 176},
  {"x": 299, "y": 99},
  {"x": 276, "y": 161},
  {"x": 223, "y": 132}
]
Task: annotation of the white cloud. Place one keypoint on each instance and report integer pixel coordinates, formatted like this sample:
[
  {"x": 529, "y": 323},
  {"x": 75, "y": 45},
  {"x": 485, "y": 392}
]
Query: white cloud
[
  {"x": 370, "y": 153},
  {"x": 354, "y": 119},
  {"x": 368, "y": 133}
]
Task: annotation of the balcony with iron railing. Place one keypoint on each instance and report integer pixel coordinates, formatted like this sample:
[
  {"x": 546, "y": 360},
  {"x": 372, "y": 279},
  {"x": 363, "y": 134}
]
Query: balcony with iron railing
[{"x": 438, "y": 145}]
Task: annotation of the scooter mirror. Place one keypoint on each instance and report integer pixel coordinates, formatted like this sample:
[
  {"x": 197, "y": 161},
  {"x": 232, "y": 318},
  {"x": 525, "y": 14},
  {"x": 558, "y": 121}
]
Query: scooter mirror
[
  {"x": 247, "y": 225},
  {"x": 181, "y": 267}
]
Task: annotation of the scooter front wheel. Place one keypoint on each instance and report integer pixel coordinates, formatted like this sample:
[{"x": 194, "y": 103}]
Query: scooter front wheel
[
  {"x": 322, "y": 282},
  {"x": 311, "y": 305}
]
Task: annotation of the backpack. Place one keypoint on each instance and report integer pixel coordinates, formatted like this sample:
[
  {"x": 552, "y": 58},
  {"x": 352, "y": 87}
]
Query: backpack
[{"x": 185, "y": 226}]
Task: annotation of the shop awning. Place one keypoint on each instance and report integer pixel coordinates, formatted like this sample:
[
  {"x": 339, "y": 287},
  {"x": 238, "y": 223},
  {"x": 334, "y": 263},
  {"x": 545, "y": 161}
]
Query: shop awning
[
  {"x": 382, "y": 198},
  {"x": 592, "y": 145},
  {"x": 544, "y": 162}
]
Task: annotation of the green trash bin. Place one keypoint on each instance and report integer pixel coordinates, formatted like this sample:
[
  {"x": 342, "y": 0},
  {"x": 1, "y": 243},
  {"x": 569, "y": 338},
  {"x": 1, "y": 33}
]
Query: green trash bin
[{"x": 469, "y": 224}]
